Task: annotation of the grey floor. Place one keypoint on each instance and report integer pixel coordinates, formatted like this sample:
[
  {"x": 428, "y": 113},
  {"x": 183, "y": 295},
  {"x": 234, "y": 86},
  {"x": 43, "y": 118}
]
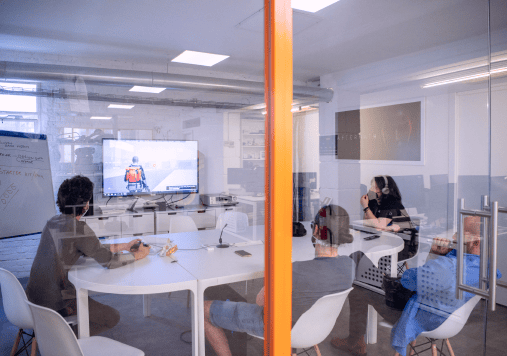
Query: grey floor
[{"x": 160, "y": 333}]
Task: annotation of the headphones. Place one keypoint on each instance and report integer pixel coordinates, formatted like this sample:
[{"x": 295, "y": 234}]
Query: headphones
[
  {"x": 385, "y": 190},
  {"x": 320, "y": 218}
]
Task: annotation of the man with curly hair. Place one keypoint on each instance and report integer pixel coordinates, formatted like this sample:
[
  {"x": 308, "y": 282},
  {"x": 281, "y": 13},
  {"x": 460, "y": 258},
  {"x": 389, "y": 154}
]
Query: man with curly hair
[{"x": 63, "y": 240}]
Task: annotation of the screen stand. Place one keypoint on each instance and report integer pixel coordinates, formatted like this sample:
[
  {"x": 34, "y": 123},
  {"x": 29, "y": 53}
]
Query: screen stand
[
  {"x": 222, "y": 246},
  {"x": 131, "y": 207}
]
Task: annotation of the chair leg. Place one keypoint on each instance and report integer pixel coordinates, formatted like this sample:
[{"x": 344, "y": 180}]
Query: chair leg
[
  {"x": 34, "y": 347},
  {"x": 434, "y": 351},
  {"x": 317, "y": 350},
  {"x": 16, "y": 342},
  {"x": 449, "y": 347},
  {"x": 412, "y": 351}
]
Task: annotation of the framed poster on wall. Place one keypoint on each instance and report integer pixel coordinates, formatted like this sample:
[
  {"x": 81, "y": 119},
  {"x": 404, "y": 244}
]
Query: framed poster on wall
[{"x": 391, "y": 133}]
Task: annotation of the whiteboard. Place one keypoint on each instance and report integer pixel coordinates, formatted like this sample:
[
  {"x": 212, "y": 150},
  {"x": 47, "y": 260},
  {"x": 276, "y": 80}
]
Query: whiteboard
[{"x": 26, "y": 187}]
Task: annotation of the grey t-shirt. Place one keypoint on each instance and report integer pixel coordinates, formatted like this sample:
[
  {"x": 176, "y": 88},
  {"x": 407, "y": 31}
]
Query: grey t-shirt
[{"x": 316, "y": 278}]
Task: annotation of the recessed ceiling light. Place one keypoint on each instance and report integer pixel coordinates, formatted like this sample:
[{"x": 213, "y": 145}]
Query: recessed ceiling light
[
  {"x": 118, "y": 106},
  {"x": 311, "y": 5},
  {"x": 142, "y": 89},
  {"x": 199, "y": 58},
  {"x": 100, "y": 118}
]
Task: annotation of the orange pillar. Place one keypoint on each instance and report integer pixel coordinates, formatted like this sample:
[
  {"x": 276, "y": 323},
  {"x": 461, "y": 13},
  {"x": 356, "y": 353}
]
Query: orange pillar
[{"x": 278, "y": 217}]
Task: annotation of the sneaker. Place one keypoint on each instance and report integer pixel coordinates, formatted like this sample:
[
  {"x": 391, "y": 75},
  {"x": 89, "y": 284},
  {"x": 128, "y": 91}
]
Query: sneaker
[{"x": 354, "y": 347}]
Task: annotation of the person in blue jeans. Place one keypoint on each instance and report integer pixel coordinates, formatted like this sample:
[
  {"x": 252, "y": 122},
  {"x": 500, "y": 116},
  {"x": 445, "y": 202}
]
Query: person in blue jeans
[{"x": 327, "y": 273}]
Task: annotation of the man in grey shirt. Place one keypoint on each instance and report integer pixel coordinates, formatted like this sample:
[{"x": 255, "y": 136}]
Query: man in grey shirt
[
  {"x": 327, "y": 273},
  {"x": 64, "y": 239}
]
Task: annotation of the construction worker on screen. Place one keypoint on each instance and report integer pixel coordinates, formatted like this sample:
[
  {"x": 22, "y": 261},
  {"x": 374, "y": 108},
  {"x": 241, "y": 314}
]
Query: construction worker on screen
[{"x": 135, "y": 178}]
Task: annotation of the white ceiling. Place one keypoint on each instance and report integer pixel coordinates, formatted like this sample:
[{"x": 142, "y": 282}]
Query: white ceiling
[{"x": 344, "y": 35}]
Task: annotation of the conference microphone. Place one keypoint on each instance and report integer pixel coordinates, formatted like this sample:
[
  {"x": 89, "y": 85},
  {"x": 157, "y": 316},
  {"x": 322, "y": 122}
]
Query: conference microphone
[{"x": 220, "y": 244}]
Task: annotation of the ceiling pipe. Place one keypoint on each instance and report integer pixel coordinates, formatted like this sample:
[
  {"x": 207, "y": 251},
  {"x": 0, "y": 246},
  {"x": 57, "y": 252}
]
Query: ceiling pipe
[{"x": 119, "y": 77}]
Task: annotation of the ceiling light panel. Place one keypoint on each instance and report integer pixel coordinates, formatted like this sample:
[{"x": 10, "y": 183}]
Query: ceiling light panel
[
  {"x": 142, "y": 89},
  {"x": 199, "y": 58},
  {"x": 100, "y": 118},
  {"x": 311, "y": 5},
  {"x": 118, "y": 106}
]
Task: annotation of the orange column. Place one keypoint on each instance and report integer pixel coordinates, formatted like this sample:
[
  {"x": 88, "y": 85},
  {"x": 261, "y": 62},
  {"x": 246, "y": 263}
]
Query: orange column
[{"x": 278, "y": 220}]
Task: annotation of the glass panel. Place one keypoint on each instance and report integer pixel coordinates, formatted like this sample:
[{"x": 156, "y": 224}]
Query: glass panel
[
  {"x": 175, "y": 150},
  {"x": 495, "y": 341},
  {"x": 405, "y": 135}
]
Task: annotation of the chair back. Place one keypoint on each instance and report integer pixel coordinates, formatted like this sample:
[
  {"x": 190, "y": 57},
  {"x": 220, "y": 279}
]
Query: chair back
[
  {"x": 54, "y": 335},
  {"x": 182, "y": 224},
  {"x": 236, "y": 221},
  {"x": 14, "y": 296},
  {"x": 455, "y": 322},
  {"x": 318, "y": 321}
]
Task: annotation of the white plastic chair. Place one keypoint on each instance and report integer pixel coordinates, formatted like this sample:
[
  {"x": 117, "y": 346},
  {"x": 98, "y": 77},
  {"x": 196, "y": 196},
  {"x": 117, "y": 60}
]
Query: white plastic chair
[
  {"x": 317, "y": 322},
  {"x": 18, "y": 313},
  {"x": 182, "y": 224},
  {"x": 56, "y": 338},
  {"x": 236, "y": 221},
  {"x": 449, "y": 328}
]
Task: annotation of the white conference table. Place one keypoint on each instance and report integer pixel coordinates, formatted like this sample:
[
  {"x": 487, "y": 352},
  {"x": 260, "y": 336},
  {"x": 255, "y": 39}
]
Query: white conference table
[{"x": 198, "y": 269}]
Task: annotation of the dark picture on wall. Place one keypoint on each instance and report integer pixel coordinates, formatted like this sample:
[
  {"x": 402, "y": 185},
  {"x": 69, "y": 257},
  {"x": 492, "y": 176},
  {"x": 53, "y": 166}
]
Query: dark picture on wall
[{"x": 384, "y": 133}]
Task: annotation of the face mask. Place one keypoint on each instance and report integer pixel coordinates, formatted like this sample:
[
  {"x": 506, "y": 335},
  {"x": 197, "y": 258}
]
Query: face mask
[{"x": 84, "y": 212}]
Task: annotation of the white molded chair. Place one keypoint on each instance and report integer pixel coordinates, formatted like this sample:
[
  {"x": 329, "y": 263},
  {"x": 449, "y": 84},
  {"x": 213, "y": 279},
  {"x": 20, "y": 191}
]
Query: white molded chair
[
  {"x": 449, "y": 328},
  {"x": 18, "y": 313},
  {"x": 16, "y": 310},
  {"x": 56, "y": 338},
  {"x": 236, "y": 220},
  {"x": 182, "y": 224},
  {"x": 317, "y": 322}
]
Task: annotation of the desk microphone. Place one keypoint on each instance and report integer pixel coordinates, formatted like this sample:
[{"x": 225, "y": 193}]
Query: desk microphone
[{"x": 221, "y": 245}]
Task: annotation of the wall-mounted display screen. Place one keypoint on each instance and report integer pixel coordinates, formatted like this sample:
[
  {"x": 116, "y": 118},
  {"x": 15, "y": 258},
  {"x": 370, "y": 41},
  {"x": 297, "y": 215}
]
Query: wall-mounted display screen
[
  {"x": 132, "y": 167},
  {"x": 382, "y": 133}
]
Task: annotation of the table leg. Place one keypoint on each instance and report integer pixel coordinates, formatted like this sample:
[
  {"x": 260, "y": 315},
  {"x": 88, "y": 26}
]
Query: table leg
[
  {"x": 83, "y": 314},
  {"x": 146, "y": 305},
  {"x": 371, "y": 329},
  {"x": 195, "y": 323},
  {"x": 394, "y": 265},
  {"x": 200, "y": 322}
]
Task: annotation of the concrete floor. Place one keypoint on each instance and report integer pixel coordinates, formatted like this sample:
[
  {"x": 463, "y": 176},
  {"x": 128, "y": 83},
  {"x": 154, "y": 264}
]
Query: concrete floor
[{"x": 160, "y": 333}]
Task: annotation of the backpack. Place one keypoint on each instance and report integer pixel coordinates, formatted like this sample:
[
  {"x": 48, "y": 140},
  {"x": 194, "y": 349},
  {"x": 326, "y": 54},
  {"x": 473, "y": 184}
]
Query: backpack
[{"x": 133, "y": 174}]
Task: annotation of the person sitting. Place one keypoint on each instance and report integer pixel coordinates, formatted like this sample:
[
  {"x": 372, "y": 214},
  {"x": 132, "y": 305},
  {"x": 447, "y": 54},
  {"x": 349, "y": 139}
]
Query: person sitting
[
  {"x": 63, "y": 240},
  {"x": 438, "y": 293},
  {"x": 328, "y": 273},
  {"x": 386, "y": 205}
]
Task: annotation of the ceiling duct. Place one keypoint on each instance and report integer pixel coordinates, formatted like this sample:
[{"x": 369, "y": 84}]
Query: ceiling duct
[{"x": 119, "y": 77}]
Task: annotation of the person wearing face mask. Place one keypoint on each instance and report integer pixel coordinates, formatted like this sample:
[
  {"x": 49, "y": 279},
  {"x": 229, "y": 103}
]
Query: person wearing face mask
[
  {"x": 386, "y": 205},
  {"x": 63, "y": 240}
]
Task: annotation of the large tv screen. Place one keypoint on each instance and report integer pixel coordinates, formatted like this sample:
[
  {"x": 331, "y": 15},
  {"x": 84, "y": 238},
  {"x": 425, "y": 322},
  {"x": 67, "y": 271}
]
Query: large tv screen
[{"x": 134, "y": 167}]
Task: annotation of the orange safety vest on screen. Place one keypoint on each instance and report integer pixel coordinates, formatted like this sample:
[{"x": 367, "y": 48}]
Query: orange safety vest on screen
[{"x": 133, "y": 174}]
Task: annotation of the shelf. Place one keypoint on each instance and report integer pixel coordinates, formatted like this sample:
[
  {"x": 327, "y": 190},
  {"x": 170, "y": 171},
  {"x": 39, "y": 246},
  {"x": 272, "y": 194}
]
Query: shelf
[
  {"x": 252, "y": 134},
  {"x": 253, "y": 159},
  {"x": 254, "y": 146}
]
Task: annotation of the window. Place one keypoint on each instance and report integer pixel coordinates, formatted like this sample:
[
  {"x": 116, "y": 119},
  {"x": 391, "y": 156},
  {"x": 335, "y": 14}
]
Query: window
[{"x": 18, "y": 112}]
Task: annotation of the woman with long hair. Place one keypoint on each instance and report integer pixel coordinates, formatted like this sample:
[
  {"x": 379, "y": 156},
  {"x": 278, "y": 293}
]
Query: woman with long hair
[{"x": 387, "y": 204}]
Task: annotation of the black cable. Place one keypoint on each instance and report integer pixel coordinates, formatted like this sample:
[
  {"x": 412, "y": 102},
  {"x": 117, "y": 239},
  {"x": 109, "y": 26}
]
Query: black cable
[
  {"x": 181, "y": 198},
  {"x": 108, "y": 200}
]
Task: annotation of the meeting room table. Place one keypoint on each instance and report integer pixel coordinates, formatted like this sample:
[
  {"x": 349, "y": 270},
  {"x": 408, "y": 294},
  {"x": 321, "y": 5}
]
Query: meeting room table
[{"x": 197, "y": 268}]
